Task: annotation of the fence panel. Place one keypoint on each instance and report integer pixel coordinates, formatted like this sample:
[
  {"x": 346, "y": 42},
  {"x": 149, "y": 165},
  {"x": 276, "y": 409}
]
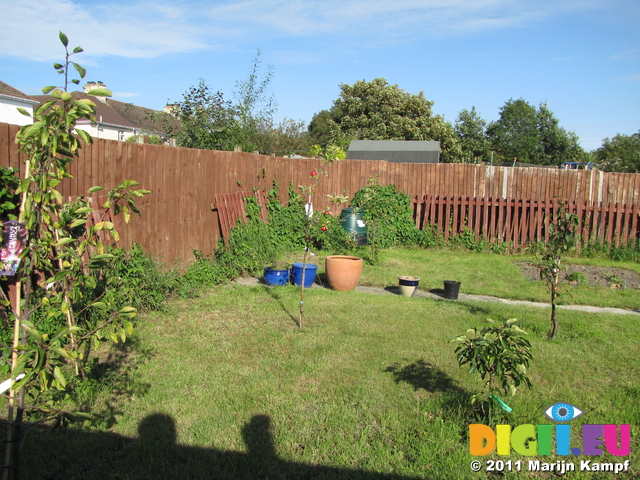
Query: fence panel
[
  {"x": 177, "y": 217},
  {"x": 520, "y": 222}
]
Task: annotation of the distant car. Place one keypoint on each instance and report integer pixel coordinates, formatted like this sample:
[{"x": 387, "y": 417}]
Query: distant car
[{"x": 579, "y": 166}]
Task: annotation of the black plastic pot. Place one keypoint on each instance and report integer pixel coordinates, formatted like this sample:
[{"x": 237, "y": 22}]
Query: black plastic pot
[{"x": 451, "y": 289}]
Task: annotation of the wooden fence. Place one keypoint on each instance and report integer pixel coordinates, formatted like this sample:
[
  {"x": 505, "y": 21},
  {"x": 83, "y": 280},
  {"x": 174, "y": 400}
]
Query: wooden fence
[
  {"x": 519, "y": 222},
  {"x": 180, "y": 215}
]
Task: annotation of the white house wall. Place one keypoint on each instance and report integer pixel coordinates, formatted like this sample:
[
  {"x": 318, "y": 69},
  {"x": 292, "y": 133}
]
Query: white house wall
[
  {"x": 105, "y": 132},
  {"x": 9, "y": 112}
]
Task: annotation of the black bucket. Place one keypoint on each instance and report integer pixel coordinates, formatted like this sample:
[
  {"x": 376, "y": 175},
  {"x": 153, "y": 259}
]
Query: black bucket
[
  {"x": 451, "y": 289},
  {"x": 351, "y": 221}
]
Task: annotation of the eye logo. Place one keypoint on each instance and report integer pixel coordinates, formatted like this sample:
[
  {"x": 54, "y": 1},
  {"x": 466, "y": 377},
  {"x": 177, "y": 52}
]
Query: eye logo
[{"x": 563, "y": 412}]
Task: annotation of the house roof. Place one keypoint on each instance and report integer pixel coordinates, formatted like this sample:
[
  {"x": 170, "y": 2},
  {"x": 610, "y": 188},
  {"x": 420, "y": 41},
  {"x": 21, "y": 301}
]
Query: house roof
[
  {"x": 104, "y": 113},
  {"x": 122, "y": 115},
  {"x": 143, "y": 118},
  {"x": 406, "y": 151},
  {"x": 8, "y": 91}
]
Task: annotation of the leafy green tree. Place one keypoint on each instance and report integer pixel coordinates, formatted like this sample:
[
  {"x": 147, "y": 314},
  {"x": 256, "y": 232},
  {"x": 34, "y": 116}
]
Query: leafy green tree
[
  {"x": 376, "y": 110},
  {"x": 254, "y": 109},
  {"x": 556, "y": 144},
  {"x": 323, "y": 130},
  {"x": 500, "y": 355},
  {"x": 471, "y": 131},
  {"x": 287, "y": 137},
  {"x": 207, "y": 120},
  {"x": 620, "y": 154},
  {"x": 531, "y": 135},
  {"x": 515, "y": 134}
]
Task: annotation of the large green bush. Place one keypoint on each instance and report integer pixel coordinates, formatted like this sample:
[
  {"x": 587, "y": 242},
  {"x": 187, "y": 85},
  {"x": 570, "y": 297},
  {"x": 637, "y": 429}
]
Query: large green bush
[{"x": 388, "y": 213}]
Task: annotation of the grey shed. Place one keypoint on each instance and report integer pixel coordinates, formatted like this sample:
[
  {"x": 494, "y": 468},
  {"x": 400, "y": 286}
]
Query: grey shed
[{"x": 405, "y": 151}]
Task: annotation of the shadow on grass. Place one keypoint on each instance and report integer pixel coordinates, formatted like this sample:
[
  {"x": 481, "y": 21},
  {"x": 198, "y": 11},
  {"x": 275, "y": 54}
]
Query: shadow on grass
[
  {"x": 422, "y": 375},
  {"x": 114, "y": 370},
  {"x": 273, "y": 293},
  {"x": 155, "y": 454}
]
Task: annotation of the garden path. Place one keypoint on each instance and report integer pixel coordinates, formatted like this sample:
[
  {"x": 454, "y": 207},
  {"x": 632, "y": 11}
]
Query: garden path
[{"x": 439, "y": 295}]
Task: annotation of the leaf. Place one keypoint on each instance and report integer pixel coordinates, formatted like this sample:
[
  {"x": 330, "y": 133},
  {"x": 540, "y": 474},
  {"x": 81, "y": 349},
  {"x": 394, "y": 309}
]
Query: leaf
[
  {"x": 83, "y": 210},
  {"x": 129, "y": 312},
  {"x": 100, "y": 92},
  {"x": 24, "y": 185},
  {"x": 128, "y": 327},
  {"x": 99, "y": 305},
  {"x": 61, "y": 352},
  {"x": 80, "y": 69},
  {"x": 64, "y": 39},
  {"x": 95, "y": 189},
  {"x": 64, "y": 241},
  {"x": 85, "y": 136},
  {"x": 48, "y": 89},
  {"x": 59, "y": 377},
  {"x": 78, "y": 50},
  {"x": 77, "y": 222},
  {"x": 23, "y": 382}
]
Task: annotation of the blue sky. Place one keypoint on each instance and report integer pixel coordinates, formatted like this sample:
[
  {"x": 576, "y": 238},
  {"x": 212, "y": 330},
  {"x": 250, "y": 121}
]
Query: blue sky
[{"x": 582, "y": 57}]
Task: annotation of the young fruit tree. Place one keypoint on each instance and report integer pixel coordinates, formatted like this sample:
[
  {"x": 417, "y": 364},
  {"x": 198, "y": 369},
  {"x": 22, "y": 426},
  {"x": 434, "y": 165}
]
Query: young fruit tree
[
  {"x": 59, "y": 304},
  {"x": 562, "y": 239},
  {"x": 501, "y": 356}
]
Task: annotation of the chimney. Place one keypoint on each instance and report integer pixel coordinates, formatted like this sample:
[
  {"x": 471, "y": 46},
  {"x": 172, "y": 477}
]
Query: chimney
[
  {"x": 93, "y": 86},
  {"x": 172, "y": 109}
]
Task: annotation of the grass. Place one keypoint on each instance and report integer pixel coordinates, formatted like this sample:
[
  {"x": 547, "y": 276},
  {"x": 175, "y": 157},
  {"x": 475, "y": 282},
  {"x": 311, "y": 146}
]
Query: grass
[
  {"x": 495, "y": 275},
  {"x": 227, "y": 386}
]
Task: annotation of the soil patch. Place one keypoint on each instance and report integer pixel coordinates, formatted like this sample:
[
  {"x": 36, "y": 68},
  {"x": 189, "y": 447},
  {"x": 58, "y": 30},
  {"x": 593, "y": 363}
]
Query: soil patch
[{"x": 607, "y": 277}]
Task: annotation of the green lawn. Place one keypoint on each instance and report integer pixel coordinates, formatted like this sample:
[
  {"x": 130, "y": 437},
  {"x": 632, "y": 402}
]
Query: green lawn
[
  {"x": 228, "y": 386},
  {"x": 495, "y": 275}
]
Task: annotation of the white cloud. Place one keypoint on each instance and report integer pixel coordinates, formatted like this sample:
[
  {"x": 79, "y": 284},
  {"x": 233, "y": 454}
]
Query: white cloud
[
  {"x": 385, "y": 19},
  {"x": 30, "y": 29},
  {"x": 143, "y": 29}
]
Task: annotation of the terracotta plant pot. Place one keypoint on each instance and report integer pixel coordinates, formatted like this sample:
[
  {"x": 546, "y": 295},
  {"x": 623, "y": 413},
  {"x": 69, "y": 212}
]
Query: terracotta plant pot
[{"x": 343, "y": 271}]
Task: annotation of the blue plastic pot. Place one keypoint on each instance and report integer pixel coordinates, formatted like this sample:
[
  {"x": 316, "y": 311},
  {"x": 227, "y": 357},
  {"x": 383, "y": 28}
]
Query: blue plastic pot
[
  {"x": 276, "y": 276},
  {"x": 309, "y": 274}
]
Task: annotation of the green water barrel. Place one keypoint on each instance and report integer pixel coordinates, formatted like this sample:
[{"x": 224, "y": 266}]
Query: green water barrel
[{"x": 351, "y": 220}]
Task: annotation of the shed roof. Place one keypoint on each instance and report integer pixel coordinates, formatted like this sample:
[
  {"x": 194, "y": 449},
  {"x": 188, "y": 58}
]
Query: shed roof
[{"x": 406, "y": 151}]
